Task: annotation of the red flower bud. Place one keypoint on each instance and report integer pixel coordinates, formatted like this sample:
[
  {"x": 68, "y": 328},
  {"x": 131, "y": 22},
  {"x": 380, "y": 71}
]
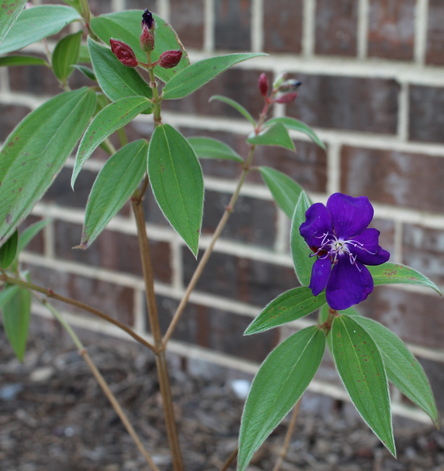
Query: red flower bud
[
  {"x": 146, "y": 39},
  {"x": 124, "y": 53},
  {"x": 170, "y": 59},
  {"x": 263, "y": 84},
  {"x": 287, "y": 98}
]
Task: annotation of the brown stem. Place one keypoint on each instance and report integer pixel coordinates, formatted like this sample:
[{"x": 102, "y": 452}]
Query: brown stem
[
  {"x": 162, "y": 367},
  {"x": 230, "y": 460},
  {"x": 288, "y": 435},
  {"x": 51, "y": 294},
  {"x": 209, "y": 249},
  {"x": 101, "y": 380}
]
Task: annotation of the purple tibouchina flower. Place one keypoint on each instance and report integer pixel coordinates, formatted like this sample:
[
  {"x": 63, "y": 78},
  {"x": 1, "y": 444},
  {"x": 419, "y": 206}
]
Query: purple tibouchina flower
[{"x": 338, "y": 235}]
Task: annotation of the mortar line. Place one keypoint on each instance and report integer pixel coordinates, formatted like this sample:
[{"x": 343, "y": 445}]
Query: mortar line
[
  {"x": 308, "y": 28},
  {"x": 257, "y": 37},
  {"x": 421, "y": 20},
  {"x": 403, "y": 112},
  {"x": 363, "y": 22},
  {"x": 209, "y": 25},
  {"x": 333, "y": 168}
]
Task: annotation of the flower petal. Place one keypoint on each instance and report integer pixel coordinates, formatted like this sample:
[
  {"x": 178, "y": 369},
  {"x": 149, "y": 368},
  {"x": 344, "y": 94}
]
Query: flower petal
[
  {"x": 350, "y": 215},
  {"x": 349, "y": 284},
  {"x": 320, "y": 273},
  {"x": 318, "y": 223},
  {"x": 368, "y": 250}
]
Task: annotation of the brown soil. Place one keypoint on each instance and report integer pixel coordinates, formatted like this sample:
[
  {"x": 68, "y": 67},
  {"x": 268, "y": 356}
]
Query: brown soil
[{"x": 54, "y": 417}]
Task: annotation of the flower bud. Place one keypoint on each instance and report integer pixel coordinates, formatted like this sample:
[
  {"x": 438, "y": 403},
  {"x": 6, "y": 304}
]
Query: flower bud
[
  {"x": 148, "y": 20},
  {"x": 124, "y": 53},
  {"x": 287, "y": 98},
  {"x": 170, "y": 59},
  {"x": 146, "y": 39},
  {"x": 279, "y": 80},
  {"x": 290, "y": 85},
  {"x": 263, "y": 84}
]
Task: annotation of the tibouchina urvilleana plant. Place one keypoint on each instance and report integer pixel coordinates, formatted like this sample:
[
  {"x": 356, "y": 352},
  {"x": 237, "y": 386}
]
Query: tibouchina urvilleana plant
[{"x": 135, "y": 62}]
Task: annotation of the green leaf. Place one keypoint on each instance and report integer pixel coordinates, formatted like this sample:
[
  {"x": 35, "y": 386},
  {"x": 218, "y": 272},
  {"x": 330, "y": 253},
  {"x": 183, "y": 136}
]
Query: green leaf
[
  {"x": 361, "y": 368},
  {"x": 284, "y": 189},
  {"x": 177, "y": 182},
  {"x": 287, "y": 307},
  {"x": 6, "y": 293},
  {"x": 236, "y": 106},
  {"x": 280, "y": 382},
  {"x": 37, "y": 23},
  {"x": 36, "y": 150},
  {"x": 110, "y": 119},
  {"x": 403, "y": 369},
  {"x": 276, "y": 135},
  {"x": 394, "y": 273},
  {"x": 301, "y": 252},
  {"x": 29, "y": 233},
  {"x": 86, "y": 71},
  {"x": 113, "y": 187},
  {"x": 9, "y": 61},
  {"x": 208, "y": 148},
  {"x": 296, "y": 125},
  {"x": 16, "y": 314},
  {"x": 65, "y": 55},
  {"x": 116, "y": 80},
  {"x": 196, "y": 75},
  {"x": 84, "y": 55},
  {"x": 8, "y": 251},
  {"x": 9, "y": 12},
  {"x": 125, "y": 26}
]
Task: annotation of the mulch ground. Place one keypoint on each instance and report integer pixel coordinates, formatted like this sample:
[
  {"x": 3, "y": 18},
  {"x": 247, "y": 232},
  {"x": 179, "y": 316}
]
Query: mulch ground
[{"x": 54, "y": 417}]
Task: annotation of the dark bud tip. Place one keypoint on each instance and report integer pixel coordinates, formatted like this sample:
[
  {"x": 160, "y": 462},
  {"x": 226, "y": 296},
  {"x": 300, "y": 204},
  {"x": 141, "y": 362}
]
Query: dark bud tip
[
  {"x": 147, "y": 19},
  {"x": 287, "y": 98},
  {"x": 263, "y": 84},
  {"x": 290, "y": 85},
  {"x": 170, "y": 59},
  {"x": 124, "y": 53}
]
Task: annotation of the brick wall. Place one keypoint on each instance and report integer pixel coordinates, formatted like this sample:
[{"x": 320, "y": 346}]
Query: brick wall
[{"x": 373, "y": 88}]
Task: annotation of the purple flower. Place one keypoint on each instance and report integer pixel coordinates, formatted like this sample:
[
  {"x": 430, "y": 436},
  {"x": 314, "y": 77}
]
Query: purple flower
[{"x": 339, "y": 237}]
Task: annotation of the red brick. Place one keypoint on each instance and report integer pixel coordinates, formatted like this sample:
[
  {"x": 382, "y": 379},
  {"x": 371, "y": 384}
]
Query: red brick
[
  {"x": 187, "y": 19},
  {"x": 217, "y": 330},
  {"x": 423, "y": 249},
  {"x": 252, "y": 221},
  {"x": 111, "y": 250},
  {"x": 10, "y": 116},
  {"x": 396, "y": 178},
  {"x": 240, "y": 278},
  {"x": 348, "y": 103},
  {"x": 142, "y": 4},
  {"x": 416, "y": 318},
  {"x": 391, "y": 29},
  {"x": 237, "y": 84},
  {"x": 336, "y": 27},
  {"x": 282, "y": 26},
  {"x": 435, "y": 33},
  {"x": 115, "y": 300},
  {"x": 426, "y": 121},
  {"x": 433, "y": 370},
  {"x": 387, "y": 234},
  {"x": 33, "y": 79},
  {"x": 232, "y": 24},
  {"x": 60, "y": 191}
]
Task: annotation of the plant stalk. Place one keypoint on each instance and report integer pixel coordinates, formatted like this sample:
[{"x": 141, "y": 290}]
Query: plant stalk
[
  {"x": 102, "y": 382},
  {"x": 285, "y": 446},
  {"x": 162, "y": 367},
  {"x": 51, "y": 294}
]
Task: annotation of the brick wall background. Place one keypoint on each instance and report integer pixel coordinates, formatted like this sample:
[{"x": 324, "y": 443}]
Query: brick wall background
[{"x": 373, "y": 89}]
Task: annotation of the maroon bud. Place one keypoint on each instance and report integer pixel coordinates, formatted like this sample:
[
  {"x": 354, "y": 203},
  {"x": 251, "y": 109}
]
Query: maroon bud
[
  {"x": 263, "y": 84},
  {"x": 146, "y": 39},
  {"x": 287, "y": 98},
  {"x": 124, "y": 53},
  {"x": 147, "y": 19},
  {"x": 170, "y": 59}
]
